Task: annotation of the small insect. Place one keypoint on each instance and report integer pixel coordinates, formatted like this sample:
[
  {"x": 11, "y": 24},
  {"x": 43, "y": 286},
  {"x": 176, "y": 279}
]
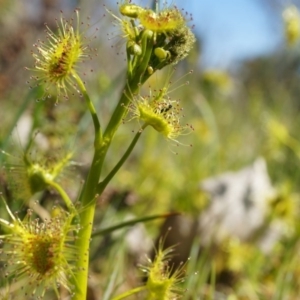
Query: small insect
[{"x": 166, "y": 109}]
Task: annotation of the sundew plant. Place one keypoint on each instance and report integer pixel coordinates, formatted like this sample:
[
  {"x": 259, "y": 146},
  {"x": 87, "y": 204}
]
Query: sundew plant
[{"x": 48, "y": 251}]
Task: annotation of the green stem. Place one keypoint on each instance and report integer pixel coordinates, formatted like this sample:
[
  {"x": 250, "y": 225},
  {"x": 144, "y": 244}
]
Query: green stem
[
  {"x": 91, "y": 108},
  {"x": 88, "y": 195},
  {"x": 135, "y": 80},
  {"x": 116, "y": 119},
  {"x": 101, "y": 186},
  {"x": 129, "y": 293},
  {"x": 87, "y": 199},
  {"x": 63, "y": 194}
]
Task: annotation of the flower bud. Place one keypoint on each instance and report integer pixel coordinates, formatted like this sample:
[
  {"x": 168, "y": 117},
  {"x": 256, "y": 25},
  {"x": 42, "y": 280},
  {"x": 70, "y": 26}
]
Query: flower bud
[
  {"x": 134, "y": 48},
  {"x": 130, "y": 10},
  {"x": 161, "y": 53}
]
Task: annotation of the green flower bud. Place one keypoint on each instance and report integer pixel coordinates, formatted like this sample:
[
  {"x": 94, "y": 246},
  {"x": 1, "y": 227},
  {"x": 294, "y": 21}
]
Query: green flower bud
[
  {"x": 161, "y": 53},
  {"x": 134, "y": 48},
  {"x": 130, "y": 10},
  {"x": 150, "y": 70}
]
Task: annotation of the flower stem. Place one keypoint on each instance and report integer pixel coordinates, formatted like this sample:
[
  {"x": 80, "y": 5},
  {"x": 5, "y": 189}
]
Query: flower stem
[
  {"x": 90, "y": 105},
  {"x": 87, "y": 199},
  {"x": 101, "y": 144},
  {"x": 88, "y": 203},
  {"x": 101, "y": 186},
  {"x": 135, "y": 79},
  {"x": 63, "y": 194},
  {"x": 130, "y": 88}
]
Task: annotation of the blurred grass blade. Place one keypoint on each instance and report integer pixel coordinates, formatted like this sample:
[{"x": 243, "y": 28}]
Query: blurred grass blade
[
  {"x": 35, "y": 93},
  {"x": 130, "y": 223}
]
